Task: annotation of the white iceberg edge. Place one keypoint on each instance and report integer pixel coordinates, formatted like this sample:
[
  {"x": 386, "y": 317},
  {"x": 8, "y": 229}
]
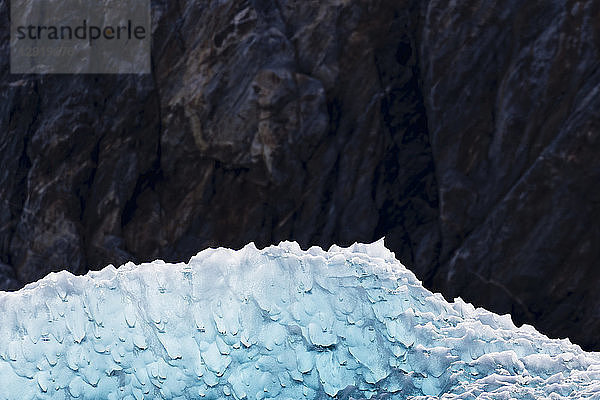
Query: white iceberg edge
[{"x": 273, "y": 323}]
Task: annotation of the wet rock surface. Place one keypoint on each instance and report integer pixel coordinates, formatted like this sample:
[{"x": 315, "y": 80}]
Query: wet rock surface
[{"x": 467, "y": 134}]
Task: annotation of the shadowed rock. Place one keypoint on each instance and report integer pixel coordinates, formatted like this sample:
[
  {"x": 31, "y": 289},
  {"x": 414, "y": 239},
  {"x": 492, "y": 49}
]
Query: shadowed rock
[{"x": 466, "y": 134}]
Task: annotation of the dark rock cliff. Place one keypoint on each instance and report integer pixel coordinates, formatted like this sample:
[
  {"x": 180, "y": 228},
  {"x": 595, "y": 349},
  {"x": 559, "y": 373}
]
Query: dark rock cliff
[
  {"x": 467, "y": 134},
  {"x": 512, "y": 95}
]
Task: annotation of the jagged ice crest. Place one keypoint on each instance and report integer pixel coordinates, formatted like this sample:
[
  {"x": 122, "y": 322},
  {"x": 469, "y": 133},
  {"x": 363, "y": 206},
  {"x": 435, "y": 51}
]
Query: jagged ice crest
[{"x": 274, "y": 323}]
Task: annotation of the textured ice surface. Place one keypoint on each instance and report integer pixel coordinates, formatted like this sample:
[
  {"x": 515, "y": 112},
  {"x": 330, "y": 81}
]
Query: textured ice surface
[{"x": 274, "y": 323}]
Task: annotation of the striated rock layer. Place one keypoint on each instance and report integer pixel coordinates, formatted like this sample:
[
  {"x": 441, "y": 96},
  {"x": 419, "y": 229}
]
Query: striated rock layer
[
  {"x": 465, "y": 132},
  {"x": 276, "y": 323},
  {"x": 512, "y": 93}
]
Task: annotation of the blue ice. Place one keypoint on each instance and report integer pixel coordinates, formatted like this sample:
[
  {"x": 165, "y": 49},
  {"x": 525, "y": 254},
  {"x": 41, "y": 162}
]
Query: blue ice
[{"x": 282, "y": 323}]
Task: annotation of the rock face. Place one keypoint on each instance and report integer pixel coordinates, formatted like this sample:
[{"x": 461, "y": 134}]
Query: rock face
[
  {"x": 465, "y": 133},
  {"x": 513, "y": 94}
]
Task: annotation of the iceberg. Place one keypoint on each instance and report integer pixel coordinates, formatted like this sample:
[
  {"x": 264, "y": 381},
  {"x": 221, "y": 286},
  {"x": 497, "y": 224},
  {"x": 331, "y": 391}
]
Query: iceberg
[{"x": 280, "y": 322}]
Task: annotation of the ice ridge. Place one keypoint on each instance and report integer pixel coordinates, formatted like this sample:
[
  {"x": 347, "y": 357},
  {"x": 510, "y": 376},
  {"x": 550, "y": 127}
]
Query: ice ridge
[{"x": 282, "y": 323}]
